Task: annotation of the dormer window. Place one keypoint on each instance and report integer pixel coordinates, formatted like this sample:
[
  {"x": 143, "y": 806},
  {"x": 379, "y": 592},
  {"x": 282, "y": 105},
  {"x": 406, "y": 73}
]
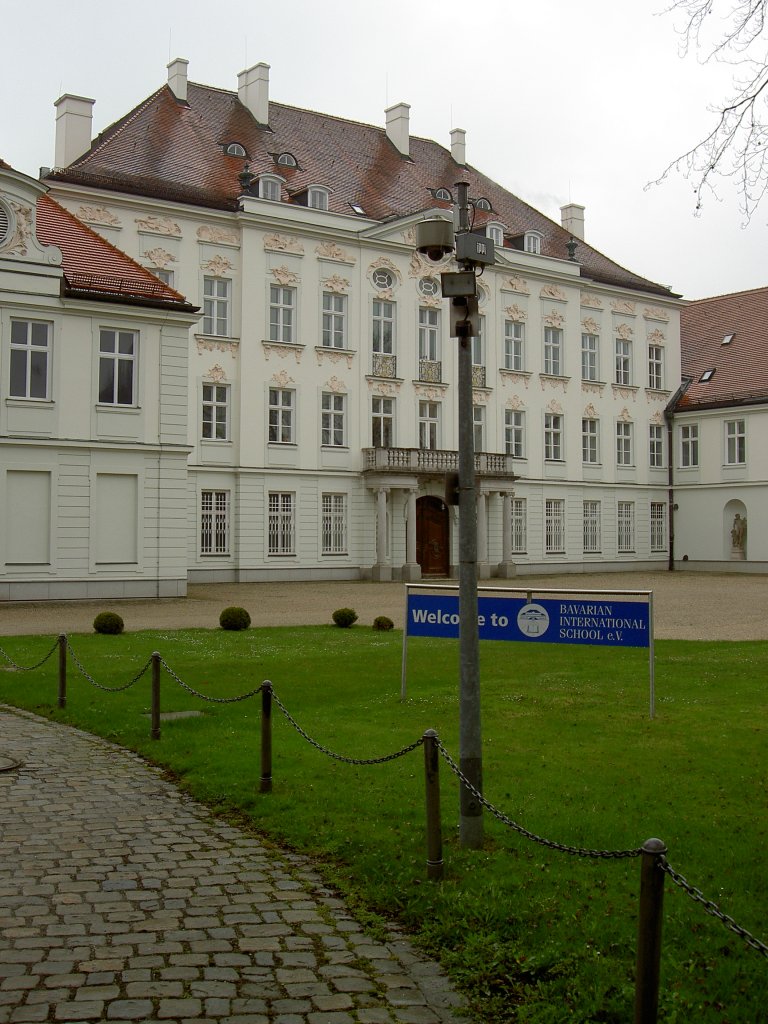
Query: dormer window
[
  {"x": 270, "y": 188},
  {"x": 317, "y": 198},
  {"x": 443, "y": 194},
  {"x": 235, "y": 149},
  {"x": 286, "y": 160},
  {"x": 482, "y": 204},
  {"x": 533, "y": 242},
  {"x": 496, "y": 233}
]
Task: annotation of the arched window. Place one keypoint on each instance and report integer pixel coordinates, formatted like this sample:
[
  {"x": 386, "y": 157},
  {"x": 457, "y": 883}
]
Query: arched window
[{"x": 235, "y": 149}]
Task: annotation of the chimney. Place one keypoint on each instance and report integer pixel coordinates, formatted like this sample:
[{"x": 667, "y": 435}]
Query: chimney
[
  {"x": 397, "y": 127},
  {"x": 253, "y": 91},
  {"x": 572, "y": 219},
  {"x": 177, "y": 78},
  {"x": 74, "y": 124},
  {"x": 459, "y": 146}
]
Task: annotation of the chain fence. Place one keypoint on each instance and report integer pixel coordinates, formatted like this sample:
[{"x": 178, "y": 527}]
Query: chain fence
[
  {"x": 28, "y": 668},
  {"x": 205, "y": 696},
  {"x": 106, "y": 689}
]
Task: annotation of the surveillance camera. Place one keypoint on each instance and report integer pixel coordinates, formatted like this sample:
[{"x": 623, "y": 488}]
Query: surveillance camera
[{"x": 434, "y": 239}]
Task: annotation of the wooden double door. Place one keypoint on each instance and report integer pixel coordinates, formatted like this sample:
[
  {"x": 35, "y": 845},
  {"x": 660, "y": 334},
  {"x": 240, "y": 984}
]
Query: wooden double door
[{"x": 433, "y": 547}]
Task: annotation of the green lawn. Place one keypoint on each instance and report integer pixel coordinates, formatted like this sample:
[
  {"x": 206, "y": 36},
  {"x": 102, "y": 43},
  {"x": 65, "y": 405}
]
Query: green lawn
[{"x": 530, "y": 934}]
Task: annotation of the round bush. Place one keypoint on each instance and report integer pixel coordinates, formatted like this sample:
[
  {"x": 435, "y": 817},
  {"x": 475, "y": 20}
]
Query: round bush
[
  {"x": 344, "y": 617},
  {"x": 108, "y": 622},
  {"x": 234, "y": 618},
  {"x": 383, "y": 622}
]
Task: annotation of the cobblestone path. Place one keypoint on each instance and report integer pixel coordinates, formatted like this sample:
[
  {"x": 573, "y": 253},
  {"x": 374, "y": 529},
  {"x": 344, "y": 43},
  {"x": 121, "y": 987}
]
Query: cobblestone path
[{"x": 122, "y": 900}]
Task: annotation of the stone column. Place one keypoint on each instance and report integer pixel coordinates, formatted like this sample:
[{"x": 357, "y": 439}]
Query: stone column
[
  {"x": 506, "y": 567},
  {"x": 411, "y": 569},
  {"x": 382, "y": 570},
  {"x": 483, "y": 567}
]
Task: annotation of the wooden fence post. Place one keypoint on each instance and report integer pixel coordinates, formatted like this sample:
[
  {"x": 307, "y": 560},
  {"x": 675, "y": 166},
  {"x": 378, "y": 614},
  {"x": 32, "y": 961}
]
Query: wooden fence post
[
  {"x": 155, "y": 729},
  {"x": 62, "y": 670},
  {"x": 265, "y": 783},
  {"x": 432, "y": 792},
  {"x": 649, "y": 933}
]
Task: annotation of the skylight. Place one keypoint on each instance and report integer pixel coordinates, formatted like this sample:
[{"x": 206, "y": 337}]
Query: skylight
[
  {"x": 707, "y": 375},
  {"x": 727, "y": 339},
  {"x": 357, "y": 208}
]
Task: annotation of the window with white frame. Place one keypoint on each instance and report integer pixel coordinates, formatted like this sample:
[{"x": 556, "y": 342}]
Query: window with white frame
[
  {"x": 590, "y": 441},
  {"x": 589, "y": 357},
  {"x": 429, "y": 425},
  {"x": 624, "y": 446},
  {"x": 382, "y": 421},
  {"x": 533, "y": 242},
  {"x": 553, "y": 351},
  {"x": 625, "y": 526},
  {"x": 30, "y": 359},
  {"x": 514, "y": 345},
  {"x": 215, "y": 418},
  {"x": 333, "y": 416},
  {"x": 553, "y": 437},
  {"x": 514, "y": 433},
  {"x": 383, "y": 327},
  {"x": 496, "y": 233},
  {"x": 478, "y": 427},
  {"x": 214, "y": 522},
  {"x": 281, "y": 523},
  {"x": 383, "y": 279},
  {"x": 429, "y": 286},
  {"x": 166, "y": 276},
  {"x": 656, "y": 446},
  {"x": 334, "y": 320},
  {"x": 282, "y": 314},
  {"x": 334, "y": 524},
  {"x": 554, "y": 526},
  {"x": 478, "y": 345},
  {"x": 735, "y": 442},
  {"x": 623, "y": 353},
  {"x": 519, "y": 526},
  {"x": 216, "y": 303},
  {"x": 658, "y": 526},
  {"x": 281, "y": 416},
  {"x": 429, "y": 334},
  {"x": 270, "y": 188},
  {"x": 118, "y": 352},
  {"x": 689, "y": 446},
  {"x": 317, "y": 198},
  {"x": 591, "y": 523},
  {"x": 655, "y": 367}
]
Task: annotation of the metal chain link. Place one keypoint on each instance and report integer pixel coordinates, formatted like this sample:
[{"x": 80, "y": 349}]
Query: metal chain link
[
  {"x": 204, "y": 696},
  {"x": 712, "y": 908},
  {"x": 28, "y": 668},
  {"x": 575, "y": 850},
  {"x": 106, "y": 689},
  {"x": 341, "y": 757}
]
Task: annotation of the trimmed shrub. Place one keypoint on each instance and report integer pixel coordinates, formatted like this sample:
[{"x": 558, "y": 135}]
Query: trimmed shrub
[
  {"x": 383, "y": 622},
  {"x": 234, "y": 618},
  {"x": 344, "y": 617},
  {"x": 108, "y": 622}
]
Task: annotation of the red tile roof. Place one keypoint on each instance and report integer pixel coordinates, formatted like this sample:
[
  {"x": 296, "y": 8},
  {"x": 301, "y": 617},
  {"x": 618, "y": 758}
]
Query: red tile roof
[
  {"x": 94, "y": 266},
  {"x": 741, "y": 367},
  {"x": 174, "y": 151}
]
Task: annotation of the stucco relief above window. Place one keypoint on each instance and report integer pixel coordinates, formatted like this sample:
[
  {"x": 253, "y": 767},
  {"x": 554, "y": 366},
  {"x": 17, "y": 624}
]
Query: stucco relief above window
[
  {"x": 216, "y": 374},
  {"x": 160, "y": 257},
  {"x": 283, "y": 351},
  {"x": 554, "y": 383},
  {"x": 552, "y": 291},
  {"x": 623, "y": 306},
  {"x": 590, "y": 325},
  {"x": 515, "y": 284},
  {"x": 554, "y": 319},
  {"x": 283, "y": 243},
  {"x": 514, "y": 377},
  {"x": 592, "y": 301},
  {"x": 590, "y": 412},
  {"x": 99, "y": 215},
  {"x": 333, "y": 355},
  {"x": 624, "y": 331},
  {"x": 19, "y": 233},
  {"x": 281, "y": 379},
  {"x": 332, "y": 251},
  {"x": 516, "y": 314},
  {"x": 159, "y": 226},
  {"x": 339, "y": 285},
  {"x": 625, "y": 416},
  {"x": 657, "y": 337},
  {"x": 219, "y": 266},
  {"x": 285, "y": 276},
  {"x": 221, "y": 236},
  {"x": 219, "y": 345},
  {"x": 432, "y": 393},
  {"x": 515, "y": 403},
  {"x": 656, "y": 313},
  {"x": 554, "y": 407},
  {"x": 337, "y": 386}
]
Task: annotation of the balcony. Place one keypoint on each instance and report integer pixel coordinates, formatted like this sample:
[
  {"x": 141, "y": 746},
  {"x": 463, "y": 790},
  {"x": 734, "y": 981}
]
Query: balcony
[
  {"x": 478, "y": 376},
  {"x": 432, "y": 461},
  {"x": 430, "y": 371},
  {"x": 384, "y": 365}
]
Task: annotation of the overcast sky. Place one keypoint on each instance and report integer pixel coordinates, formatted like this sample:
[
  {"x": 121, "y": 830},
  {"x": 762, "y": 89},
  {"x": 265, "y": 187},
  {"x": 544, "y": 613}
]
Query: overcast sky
[{"x": 562, "y": 101}]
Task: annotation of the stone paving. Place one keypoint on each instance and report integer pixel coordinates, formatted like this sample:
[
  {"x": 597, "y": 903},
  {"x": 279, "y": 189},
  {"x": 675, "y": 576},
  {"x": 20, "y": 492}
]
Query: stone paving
[{"x": 122, "y": 900}]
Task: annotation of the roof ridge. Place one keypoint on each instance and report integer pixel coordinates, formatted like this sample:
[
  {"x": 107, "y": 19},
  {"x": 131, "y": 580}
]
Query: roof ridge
[
  {"x": 727, "y": 295},
  {"x": 113, "y": 129}
]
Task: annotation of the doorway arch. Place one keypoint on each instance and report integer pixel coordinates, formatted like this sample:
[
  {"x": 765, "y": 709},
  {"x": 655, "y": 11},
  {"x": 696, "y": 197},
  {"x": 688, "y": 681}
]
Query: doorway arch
[{"x": 433, "y": 547}]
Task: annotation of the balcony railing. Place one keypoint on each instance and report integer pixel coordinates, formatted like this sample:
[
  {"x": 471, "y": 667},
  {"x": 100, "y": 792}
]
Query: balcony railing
[
  {"x": 478, "y": 376},
  {"x": 430, "y": 371},
  {"x": 429, "y": 460},
  {"x": 384, "y": 365}
]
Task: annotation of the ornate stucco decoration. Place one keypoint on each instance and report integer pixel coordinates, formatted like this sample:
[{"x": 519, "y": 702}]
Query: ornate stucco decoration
[
  {"x": 382, "y": 388},
  {"x": 338, "y": 387},
  {"x": 655, "y": 313},
  {"x": 516, "y": 284},
  {"x": 214, "y": 233},
  {"x": 334, "y": 355},
  {"x": 515, "y": 313},
  {"x": 620, "y": 391},
  {"x": 658, "y": 418},
  {"x": 284, "y": 351},
  {"x": 590, "y": 325},
  {"x": 159, "y": 225},
  {"x": 515, "y": 403},
  {"x": 281, "y": 379},
  {"x": 483, "y": 292},
  {"x": 623, "y": 306},
  {"x": 285, "y": 276},
  {"x": 219, "y": 345},
  {"x": 554, "y": 383},
  {"x": 383, "y": 263},
  {"x": 554, "y": 319},
  {"x": 514, "y": 377},
  {"x": 160, "y": 257},
  {"x": 283, "y": 243},
  {"x": 431, "y": 393},
  {"x": 590, "y": 413},
  {"x": 409, "y": 237},
  {"x": 657, "y": 337},
  {"x": 331, "y": 251},
  {"x": 590, "y": 387},
  {"x": 554, "y": 407},
  {"x": 624, "y": 415},
  {"x": 594, "y": 301},
  {"x": 22, "y": 233},
  {"x": 432, "y": 301},
  {"x": 624, "y": 331},
  {"x": 216, "y": 374},
  {"x": 99, "y": 215},
  {"x": 653, "y": 395},
  {"x": 337, "y": 284},
  {"x": 480, "y": 396},
  {"x": 553, "y": 291},
  {"x": 218, "y": 266},
  {"x": 420, "y": 266}
]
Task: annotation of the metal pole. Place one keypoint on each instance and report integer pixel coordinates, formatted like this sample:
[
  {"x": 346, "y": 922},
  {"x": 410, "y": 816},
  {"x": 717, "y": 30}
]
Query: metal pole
[
  {"x": 62, "y": 670},
  {"x": 265, "y": 782},
  {"x": 432, "y": 792},
  {"x": 155, "y": 728},
  {"x": 649, "y": 933}
]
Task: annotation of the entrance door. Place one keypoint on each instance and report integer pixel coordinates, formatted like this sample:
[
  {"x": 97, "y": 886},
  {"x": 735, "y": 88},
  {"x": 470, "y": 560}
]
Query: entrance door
[{"x": 432, "y": 537}]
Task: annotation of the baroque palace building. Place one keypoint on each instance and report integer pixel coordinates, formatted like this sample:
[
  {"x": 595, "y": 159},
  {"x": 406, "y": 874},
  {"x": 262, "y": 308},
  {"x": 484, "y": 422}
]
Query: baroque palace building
[{"x": 320, "y": 379}]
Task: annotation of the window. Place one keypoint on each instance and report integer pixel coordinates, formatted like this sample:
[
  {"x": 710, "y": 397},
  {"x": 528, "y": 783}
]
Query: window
[
  {"x": 282, "y": 308},
  {"x": 281, "y": 523},
  {"x": 590, "y": 441},
  {"x": 30, "y": 358},
  {"x": 270, "y": 188},
  {"x": 655, "y": 367},
  {"x": 478, "y": 345},
  {"x": 166, "y": 276},
  {"x": 735, "y": 442},
  {"x": 589, "y": 362},
  {"x": 591, "y": 516},
  {"x": 514, "y": 345},
  {"x": 658, "y": 526},
  {"x": 428, "y": 286},
  {"x": 383, "y": 327},
  {"x": 429, "y": 425},
  {"x": 429, "y": 334},
  {"x": 689, "y": 446},
  {"x": 623, "y": 362},
  {"x": 214, "y": 523},
  {"x": 215, "y": 412},
  {"x": 533, "y": 242},
  {"x": 286, "y": 160},
  {"x": 553, "y": 351},
  {"x": 317, "y": 198},
  {"x": 624, "y": 452},
  {"x": 707, "y": 375},
  {"x": 656, "y": 446},
  {"x": 382, "y": 279},
  {"x": 554, "y": 526},
  {"x": 625, "y": 526},
  {"x": 281, "y": 418},
  {"x": 235, "y": 149},
  {"x": 519, "y": 526},
  {"x": 478, "y": 427},
  {"x": 444, "y": 194},
  {"x": 496, "y": 233},
  {"x": 334, "y": 524},
  {"x": 332, "y": 420},
  {"x": 553, "y": 437},
  {"x": 334, "y": 320},
  {"x": 514, "y": 433},
  {"x": 382, "y": 422},
  {"x": 216, "y": 306},
  {"x": 482, "y": 204},
  {"x": 117, "y": 367}
]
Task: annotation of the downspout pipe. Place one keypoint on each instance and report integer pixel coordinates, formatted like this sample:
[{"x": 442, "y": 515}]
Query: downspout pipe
[{"x": 669, "y": 412}]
